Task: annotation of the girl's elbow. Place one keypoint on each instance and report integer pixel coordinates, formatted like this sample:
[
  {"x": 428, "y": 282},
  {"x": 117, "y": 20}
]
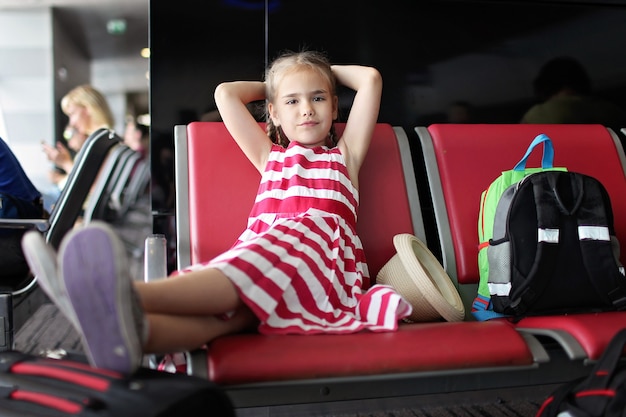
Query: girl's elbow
[
  {"x": 376, "y": 74},
  {"x": 375, "y": 77},
  {"x": 220, "y": 92}
]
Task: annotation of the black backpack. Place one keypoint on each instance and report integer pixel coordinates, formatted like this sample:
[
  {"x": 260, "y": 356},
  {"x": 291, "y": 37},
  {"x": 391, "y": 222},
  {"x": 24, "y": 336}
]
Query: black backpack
[
  {"x": 600, "y": 394},
  {"x": 554, "y": 248}
]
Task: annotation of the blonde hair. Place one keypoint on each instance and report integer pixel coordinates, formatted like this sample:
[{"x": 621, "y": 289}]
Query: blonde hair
[
  {"x": 293, "y": 61},
  {"x": 96, "y": 104}
]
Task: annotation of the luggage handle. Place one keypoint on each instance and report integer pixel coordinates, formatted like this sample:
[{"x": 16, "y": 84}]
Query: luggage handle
[{"x": 548, "y": 153}]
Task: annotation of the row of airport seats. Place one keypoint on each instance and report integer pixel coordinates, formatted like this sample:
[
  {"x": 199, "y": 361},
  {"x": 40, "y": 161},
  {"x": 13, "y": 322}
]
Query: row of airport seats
[
  {"x": 106, "y": 182},
  {"x": 216, "y": 186},
  {"x": 121, "y": 198},
  {"x": 19, "y": 296}
]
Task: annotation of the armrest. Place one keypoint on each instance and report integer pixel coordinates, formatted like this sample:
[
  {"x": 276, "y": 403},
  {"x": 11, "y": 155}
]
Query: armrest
[
  {"x": 155, "y": 267},
  {"x": 40, "y": 224},
  {"x": 155, "y": 257}
]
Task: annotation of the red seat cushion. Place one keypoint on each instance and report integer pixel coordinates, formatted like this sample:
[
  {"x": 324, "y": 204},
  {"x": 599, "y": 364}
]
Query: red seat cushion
[{"x": 247, "y": 358}]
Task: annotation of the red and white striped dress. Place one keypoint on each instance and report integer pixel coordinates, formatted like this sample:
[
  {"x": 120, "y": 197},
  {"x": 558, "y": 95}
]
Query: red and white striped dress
[{"x": 300, "y": 265}]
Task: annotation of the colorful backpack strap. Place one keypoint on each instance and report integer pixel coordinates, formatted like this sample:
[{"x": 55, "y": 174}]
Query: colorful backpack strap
[{"x": 547, "y": 160}]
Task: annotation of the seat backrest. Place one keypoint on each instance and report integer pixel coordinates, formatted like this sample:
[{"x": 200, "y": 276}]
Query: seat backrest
[
  {"x": 96, "y": 207},
  {"x": 127, "y": 196},
  {"x": 87, "y": 164},
  {"x": 216, "y": 186},
  {"x": 122, "y": 182},
  {"x": 462, "y": 160}
]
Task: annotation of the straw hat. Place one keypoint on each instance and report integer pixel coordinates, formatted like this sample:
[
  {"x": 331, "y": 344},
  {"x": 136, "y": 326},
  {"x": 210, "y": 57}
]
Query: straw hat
[{"x": 417, "y": 275}]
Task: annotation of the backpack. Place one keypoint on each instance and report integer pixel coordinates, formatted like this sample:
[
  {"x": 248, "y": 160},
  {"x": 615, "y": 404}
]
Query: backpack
[
  {"x": 482, "y": 308},
  {"x": 554, "y": 248},
  {"x": 601, "y": 393}
]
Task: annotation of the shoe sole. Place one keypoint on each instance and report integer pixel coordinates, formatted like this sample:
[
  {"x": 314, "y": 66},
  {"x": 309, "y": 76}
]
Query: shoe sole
[
  {"x": 95, "y": 272},
  {"x": 42, "y": 261}
]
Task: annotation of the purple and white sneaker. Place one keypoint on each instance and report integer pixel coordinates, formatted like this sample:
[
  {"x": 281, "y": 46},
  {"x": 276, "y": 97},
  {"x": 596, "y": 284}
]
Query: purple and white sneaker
[
  {"x": 95, "y": 273},
  {"x": 42, "y": 261}
]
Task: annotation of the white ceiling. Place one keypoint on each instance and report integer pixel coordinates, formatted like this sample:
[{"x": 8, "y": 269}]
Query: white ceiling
[{"x": 87, "y": 19}]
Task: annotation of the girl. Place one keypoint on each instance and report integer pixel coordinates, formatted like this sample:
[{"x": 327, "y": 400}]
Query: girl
[{"x": 298, "y": 268}]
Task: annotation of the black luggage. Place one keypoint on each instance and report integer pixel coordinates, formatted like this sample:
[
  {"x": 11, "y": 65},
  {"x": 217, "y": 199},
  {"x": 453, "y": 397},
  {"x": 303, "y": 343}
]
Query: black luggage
[
  {"x": 600, "y": 394},
  {"x": 37, "y": 386}
]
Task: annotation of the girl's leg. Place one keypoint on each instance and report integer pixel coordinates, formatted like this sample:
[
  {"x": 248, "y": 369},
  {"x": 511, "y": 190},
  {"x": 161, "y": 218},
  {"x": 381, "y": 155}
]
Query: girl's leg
[
  {"x": 183, "y": 311},
  {"x": 204, "y": 292},
  {"x": 169, "y": 333},
  {"x": 93, "y": 289}
]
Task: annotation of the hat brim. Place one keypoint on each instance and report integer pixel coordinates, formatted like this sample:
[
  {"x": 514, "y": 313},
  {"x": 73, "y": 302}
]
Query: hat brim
[{"x": 426, "y": 278}]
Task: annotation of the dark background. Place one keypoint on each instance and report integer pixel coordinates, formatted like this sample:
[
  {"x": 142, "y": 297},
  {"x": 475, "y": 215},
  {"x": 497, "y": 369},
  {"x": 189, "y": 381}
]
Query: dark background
[{"x": 430, "y": 53}]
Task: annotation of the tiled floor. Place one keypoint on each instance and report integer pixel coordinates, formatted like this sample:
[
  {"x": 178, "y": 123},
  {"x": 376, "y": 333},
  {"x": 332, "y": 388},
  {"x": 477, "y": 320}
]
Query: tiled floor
[{"x": 47, "y": 330}]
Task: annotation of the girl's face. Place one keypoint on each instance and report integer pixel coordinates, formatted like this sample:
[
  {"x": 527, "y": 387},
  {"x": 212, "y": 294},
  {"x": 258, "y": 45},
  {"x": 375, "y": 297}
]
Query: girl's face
[{"x": 304, "y": 107}]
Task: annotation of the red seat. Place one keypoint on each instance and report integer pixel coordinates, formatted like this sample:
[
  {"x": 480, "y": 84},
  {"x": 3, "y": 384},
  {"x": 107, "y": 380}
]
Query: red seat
[
  {"x": 462, "y": 160},
  {"x": 244, "y": 358},
  {"x": 216, "y": 186}
]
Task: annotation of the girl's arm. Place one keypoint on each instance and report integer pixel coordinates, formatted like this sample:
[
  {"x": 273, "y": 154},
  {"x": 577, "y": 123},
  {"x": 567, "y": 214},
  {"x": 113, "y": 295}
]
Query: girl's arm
[
  {"x": 356, "y": 138},
  {"x": 231, "y": 99}
]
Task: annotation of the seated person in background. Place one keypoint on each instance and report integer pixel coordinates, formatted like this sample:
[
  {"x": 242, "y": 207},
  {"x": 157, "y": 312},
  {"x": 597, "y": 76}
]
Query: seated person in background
[
  {"x": 16, "y": 190},
  {"x": 87, "y": 110},
  {"x": 137, "y": 136},
  {"x": 61, "y": 155},
  {"x": 563, "y": 88},
  {"x": 63, "y": 160}
]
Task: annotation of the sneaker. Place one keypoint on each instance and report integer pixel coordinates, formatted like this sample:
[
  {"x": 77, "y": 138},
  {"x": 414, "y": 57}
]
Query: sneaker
[
  {"x": 42, "y": 261},
  {"x": 95, "y": 272}
]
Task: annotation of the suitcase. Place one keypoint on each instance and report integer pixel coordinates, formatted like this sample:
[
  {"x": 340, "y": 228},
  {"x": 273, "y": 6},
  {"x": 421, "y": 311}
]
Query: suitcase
[
  {"x": 602, "y": 393},
  {"x": 38, "y": 386}
]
